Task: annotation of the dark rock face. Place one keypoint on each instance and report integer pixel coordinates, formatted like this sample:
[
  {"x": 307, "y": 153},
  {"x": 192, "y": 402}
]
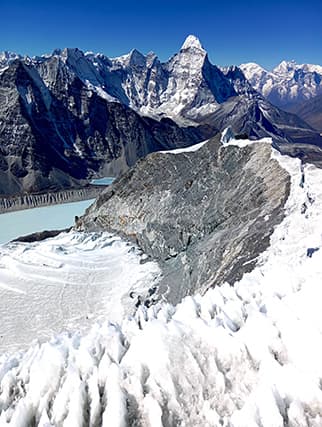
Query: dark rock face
[
  {"x": 53, "y": 135},
  {"x": 311, "y": 112},
  {"x": 40, "y": 235},
  {"x": 204, "y": 216},
  {"x": 252, "y": 115}
]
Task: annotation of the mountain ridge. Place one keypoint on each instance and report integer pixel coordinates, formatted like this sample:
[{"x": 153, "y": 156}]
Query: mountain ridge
[
  {"x": 188, "y": 220},
  {"x": 286, "y": 84},
  {"x": 69, "y": 115}
]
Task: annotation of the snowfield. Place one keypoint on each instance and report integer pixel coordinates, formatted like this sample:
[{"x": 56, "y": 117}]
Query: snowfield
[
  {"x": 242, "y": 356},
  {"x": 67, "y": 282}
]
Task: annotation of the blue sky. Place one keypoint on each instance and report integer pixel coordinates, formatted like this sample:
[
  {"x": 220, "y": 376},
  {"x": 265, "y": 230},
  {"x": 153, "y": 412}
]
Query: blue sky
[{"x": 232, "y": 31}]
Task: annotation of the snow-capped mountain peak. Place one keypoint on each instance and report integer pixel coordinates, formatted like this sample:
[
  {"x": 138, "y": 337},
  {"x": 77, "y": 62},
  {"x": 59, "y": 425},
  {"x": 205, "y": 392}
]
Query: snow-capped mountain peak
[
  {"x": 251, "y": 68},
  {"x": 285, "y": 67},
  {"x": 137, "y": 58},
  {"x": 132, "y": 58},
  {"x": 192, "y": 42},
  {"x": 7, "y": 57},
  {"x": 150, "y": 58},
  {"x": 4, "y": 56},
  {"x": 71, "y": 54},
  {"x": 312, "y": 68},
  {"x": 56, "y": 52},
  {"x": 287, "y": 84}
]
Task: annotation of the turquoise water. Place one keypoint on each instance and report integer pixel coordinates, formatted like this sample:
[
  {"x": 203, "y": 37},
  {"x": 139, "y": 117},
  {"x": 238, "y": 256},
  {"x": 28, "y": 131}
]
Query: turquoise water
[
  {"x": 103, "y": 181},
  {"x": 20, "y": 223}
]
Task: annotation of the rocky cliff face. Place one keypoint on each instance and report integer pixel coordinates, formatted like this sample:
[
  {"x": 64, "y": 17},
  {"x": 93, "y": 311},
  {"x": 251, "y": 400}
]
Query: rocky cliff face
[
  {"x": 203, "y": 215},
  {"x": 55, "y": 131},
  {"x": 255, "y": 117}
]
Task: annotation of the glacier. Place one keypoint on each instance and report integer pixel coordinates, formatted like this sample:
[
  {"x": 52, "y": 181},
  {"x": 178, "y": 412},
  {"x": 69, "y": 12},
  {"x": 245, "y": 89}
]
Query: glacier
[
  {"x": 68, "y": 282},
  {"x": 238, "y": 356}
]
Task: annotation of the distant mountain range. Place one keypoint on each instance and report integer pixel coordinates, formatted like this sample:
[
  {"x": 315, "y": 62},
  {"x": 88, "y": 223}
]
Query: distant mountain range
[
  {"x": 296, "y": 88},
  {"x": 288, "y": 84},
  {"x": 69, "y": 115}
]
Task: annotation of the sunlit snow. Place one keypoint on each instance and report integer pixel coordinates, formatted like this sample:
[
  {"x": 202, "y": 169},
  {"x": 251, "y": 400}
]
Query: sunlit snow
[
  {"x": 288, "y": 81},
  {"x": 67, "y": 282},
  {"x": 189, "y": 149}
]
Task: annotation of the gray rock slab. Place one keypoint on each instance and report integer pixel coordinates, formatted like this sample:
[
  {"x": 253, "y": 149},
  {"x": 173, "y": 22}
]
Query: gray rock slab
[{"x": 204, "y": 216}]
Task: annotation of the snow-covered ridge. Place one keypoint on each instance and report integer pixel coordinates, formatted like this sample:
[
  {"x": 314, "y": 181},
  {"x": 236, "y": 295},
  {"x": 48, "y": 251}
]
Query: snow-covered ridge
[
  {"x": 248, "y": 355},
  {"x": 6, "y": 58},
  {"x": 184, "y": 88},
  {"x": 287, "y": 83}
]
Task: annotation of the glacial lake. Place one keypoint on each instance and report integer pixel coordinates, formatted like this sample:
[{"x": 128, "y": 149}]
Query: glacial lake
[
  {"x": 21, "y": 223},
  {"x": 103, "y": 181}
]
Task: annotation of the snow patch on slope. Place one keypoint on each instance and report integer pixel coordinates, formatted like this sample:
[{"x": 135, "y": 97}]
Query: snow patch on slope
[{"x": 190, "y": 149}]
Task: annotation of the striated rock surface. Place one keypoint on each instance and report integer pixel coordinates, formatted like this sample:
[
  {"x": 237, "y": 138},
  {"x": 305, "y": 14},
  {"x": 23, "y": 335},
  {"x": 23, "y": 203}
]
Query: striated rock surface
[{"x": 204, "y": 215}]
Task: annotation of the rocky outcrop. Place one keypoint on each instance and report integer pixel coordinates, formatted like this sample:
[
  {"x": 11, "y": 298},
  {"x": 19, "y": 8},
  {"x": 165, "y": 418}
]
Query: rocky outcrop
[
  {"x": 40, "y": 235},
  {"x": 252, "y": 115},
  {"x": 204, "y": 215}
]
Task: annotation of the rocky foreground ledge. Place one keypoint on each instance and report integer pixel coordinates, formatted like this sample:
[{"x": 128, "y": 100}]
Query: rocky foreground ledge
[{"x": 204, "y": 216}]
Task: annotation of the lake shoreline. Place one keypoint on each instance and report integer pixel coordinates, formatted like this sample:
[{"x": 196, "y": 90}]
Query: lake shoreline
[{"x": 50, "y": 198}]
